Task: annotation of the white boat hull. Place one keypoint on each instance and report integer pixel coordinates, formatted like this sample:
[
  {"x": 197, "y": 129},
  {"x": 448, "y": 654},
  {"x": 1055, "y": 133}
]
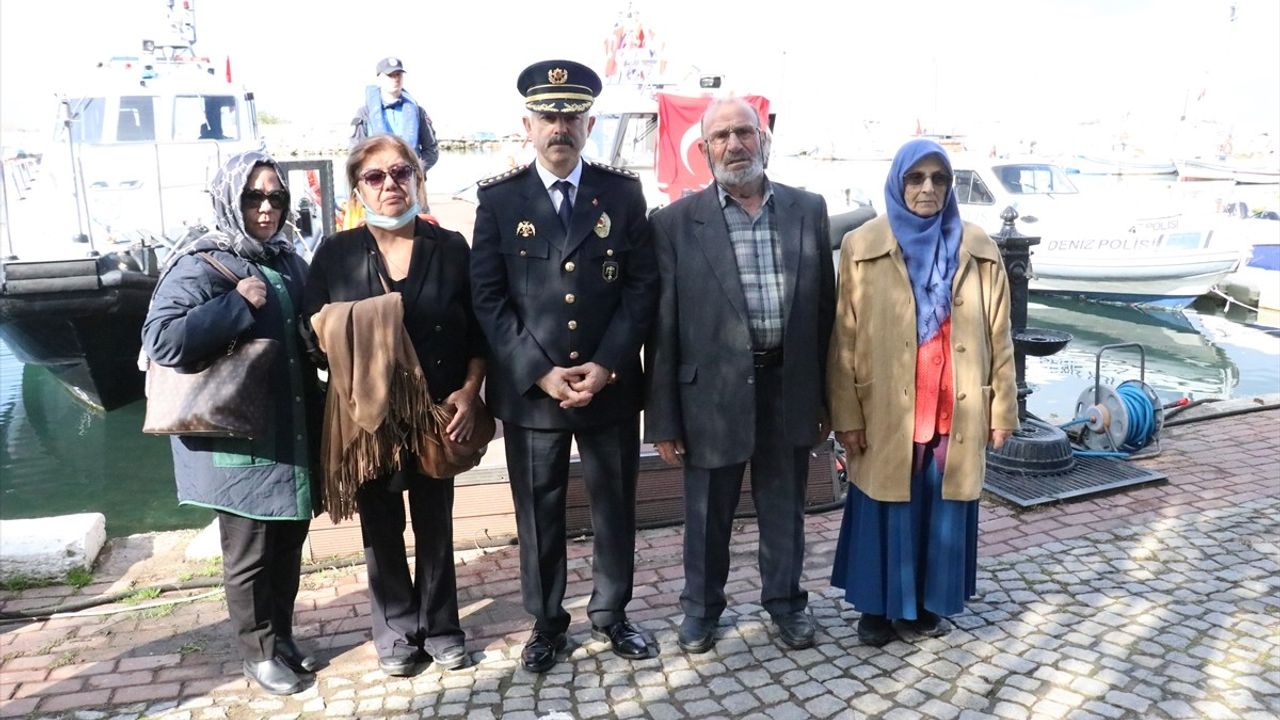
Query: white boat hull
[
  {"x": 1090, "y": 165},
  {"x": 1245, "y": 174},
  {"x": 1163, "y": 281}
]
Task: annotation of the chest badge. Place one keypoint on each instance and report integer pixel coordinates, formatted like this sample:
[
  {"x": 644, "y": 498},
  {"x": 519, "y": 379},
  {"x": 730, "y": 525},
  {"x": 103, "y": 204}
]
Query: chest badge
[
  {"x": 609, "y": 270},
  {"x": 603, "y": 225},
  {"x": 525, "y": 229}
]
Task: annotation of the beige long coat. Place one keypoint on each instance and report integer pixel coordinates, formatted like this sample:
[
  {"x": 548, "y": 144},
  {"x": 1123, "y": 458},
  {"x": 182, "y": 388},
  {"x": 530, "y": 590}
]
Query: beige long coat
[{"x": 872, "y": 361}]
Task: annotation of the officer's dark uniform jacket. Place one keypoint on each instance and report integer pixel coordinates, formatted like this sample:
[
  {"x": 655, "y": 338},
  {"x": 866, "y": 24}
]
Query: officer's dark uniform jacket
[{"x": 548, "y": 298}]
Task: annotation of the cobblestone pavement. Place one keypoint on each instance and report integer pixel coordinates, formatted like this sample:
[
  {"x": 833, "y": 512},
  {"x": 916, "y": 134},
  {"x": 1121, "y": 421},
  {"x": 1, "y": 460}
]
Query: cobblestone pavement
[{"x": 1173, "y": 614}]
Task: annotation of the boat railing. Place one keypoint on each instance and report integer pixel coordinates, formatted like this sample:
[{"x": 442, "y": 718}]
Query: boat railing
[{"x": 4, "y": 206}]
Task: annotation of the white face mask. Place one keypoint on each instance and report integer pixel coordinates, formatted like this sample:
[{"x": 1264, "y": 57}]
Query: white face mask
[{"x": 387, "y": 222}]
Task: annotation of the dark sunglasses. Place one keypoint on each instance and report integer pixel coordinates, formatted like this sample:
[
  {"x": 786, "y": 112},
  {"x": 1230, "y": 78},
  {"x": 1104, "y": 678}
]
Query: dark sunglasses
[
  {"x": 399, "y": 173},
  {"x": 279, "y": 199},
  {"x": 940, "y": 180}
]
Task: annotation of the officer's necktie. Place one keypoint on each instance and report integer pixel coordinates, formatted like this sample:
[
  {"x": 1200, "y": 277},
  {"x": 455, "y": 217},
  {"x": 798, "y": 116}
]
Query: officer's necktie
[{"x": 566, "y": 206}]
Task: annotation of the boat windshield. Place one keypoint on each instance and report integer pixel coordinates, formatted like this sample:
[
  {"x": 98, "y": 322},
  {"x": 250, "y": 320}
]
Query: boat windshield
[
  {"x": 205, "y": 117},
  {"x": 86, "y": 116},
  {"x": 1034, "y": 179},
  {"x": 151, "y": 118},
  {"x": 624, "y": 140}
]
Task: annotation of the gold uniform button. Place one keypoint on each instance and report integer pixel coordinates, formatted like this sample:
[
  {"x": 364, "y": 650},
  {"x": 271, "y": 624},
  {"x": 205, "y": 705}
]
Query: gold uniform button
[
  {"x": 523, "y": 253},
  {"x": 569, "y": 298},
  {"x": 569, "y": 266},
  {"x": 573, "y": 355},
  {"x": 573, "y": 324},
  {"x": 609, "y": 252}
]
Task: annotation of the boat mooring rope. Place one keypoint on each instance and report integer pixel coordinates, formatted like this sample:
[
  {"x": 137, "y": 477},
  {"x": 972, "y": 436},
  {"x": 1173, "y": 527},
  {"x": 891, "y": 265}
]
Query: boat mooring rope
[{"x": 1232, "y": 301}]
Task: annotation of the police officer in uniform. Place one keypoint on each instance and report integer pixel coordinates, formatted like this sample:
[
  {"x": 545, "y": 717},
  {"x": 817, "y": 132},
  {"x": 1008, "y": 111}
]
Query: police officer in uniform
[{"x": 564, "y": 283}]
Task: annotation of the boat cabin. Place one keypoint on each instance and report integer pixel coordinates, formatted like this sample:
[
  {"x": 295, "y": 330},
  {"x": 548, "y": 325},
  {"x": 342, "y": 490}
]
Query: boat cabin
[{"x": 143, "y": 138}]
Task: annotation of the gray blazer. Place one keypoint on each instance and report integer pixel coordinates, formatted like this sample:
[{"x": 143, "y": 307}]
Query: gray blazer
[{"x": 698, "y": 358}]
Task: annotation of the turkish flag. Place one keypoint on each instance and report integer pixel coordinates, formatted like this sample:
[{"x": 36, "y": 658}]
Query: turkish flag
[{"x": 680, "y": 165}]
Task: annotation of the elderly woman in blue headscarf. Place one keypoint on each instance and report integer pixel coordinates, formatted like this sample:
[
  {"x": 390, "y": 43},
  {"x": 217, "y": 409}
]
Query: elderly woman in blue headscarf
[
  {"x": 264, "y": 489},
  {"x": 920, "y": 379}
]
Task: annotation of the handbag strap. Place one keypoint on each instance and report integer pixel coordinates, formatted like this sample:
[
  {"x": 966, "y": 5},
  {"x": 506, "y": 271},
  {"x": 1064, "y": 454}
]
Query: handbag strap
[{"x": 217, "y": 265}]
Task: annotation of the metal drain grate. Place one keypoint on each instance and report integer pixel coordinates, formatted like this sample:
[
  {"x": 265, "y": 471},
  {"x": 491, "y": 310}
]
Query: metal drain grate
[{"x": 1090, "y": 476}]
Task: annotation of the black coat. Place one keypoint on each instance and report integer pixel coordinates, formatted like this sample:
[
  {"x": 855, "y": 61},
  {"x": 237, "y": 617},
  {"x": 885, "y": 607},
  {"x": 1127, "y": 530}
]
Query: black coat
[
  {"x": 547, "y": 298},
  {"x": 195, "y": 314},
  {"x": 436, "y": 297},
  {"x": 699, "y": 358}
]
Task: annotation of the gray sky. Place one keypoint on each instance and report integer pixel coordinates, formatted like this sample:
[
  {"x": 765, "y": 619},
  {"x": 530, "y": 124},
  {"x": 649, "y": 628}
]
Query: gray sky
[{"x": 1036, "y": 65}]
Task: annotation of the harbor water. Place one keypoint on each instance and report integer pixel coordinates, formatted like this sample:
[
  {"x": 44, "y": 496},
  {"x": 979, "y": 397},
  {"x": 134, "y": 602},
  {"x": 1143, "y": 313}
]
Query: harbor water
[{"x": 58, "y": 456}]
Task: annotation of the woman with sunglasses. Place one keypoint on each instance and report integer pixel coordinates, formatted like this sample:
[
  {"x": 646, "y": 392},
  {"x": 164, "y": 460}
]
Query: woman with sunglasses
[
  {"x": 920, "y": 379},
  {"x": 262, "y": 489},
  {"x": 415, "y": 618}
]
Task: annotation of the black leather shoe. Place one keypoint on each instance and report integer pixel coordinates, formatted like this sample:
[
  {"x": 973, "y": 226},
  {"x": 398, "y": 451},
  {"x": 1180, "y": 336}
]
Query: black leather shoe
[
  {"x": 451, "y": 658},
  {"x": 273, "y": 676},
  {"x": 628, "y": 641},
  {"x": 293, "y": 656},
  {"x": 539, "y": 654},
  {"x": 874, "y": 630},
  {"x": 795, "y": 629},
  {"x": 697, "y": 635},
  {"x": 928, "y": 625},
  {"x": 403, "y": 665}
]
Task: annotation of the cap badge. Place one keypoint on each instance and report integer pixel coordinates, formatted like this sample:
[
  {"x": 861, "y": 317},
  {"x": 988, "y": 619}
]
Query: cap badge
[
  {"x": 557, "y": 76},
  {"x": 525, "y": 229}
]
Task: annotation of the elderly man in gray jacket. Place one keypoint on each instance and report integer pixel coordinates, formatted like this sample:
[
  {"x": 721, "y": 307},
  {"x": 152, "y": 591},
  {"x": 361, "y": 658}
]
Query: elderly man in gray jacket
[{"x": 737, "y": 362}]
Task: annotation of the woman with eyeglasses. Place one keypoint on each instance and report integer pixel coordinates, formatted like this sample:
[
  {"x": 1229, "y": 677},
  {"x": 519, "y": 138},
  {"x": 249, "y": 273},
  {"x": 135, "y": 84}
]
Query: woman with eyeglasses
[
  {"x": 415, "y": 617},
  {"x": 920, "y": 379},
  {"x": 263, "y": 489}
]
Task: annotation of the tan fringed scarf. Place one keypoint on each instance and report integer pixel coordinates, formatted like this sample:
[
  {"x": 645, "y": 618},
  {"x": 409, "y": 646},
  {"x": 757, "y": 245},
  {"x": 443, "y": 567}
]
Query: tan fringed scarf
[{"x": 378, "y": 406}]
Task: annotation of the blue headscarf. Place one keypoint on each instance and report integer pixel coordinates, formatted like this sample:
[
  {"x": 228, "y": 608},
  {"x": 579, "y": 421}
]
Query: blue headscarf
[{"x": 930, "y": 245}]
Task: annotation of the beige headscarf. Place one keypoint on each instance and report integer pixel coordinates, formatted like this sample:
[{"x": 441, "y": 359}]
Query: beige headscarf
[{"x": 378, "y": 405}]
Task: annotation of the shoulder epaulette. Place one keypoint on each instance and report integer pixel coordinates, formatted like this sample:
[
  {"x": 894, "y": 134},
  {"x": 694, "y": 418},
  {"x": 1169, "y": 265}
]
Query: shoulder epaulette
[
  {"x": 615, "y": 170},
  {"x": 513, "y": 172}
]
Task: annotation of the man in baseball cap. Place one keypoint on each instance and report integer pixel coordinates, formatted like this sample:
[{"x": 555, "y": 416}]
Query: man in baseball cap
[{"x": 390, "y": 110}]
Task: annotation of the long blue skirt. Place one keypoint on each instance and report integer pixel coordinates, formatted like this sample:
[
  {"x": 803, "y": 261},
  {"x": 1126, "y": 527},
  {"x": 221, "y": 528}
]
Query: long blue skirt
[{"x": 894, "y": 557}]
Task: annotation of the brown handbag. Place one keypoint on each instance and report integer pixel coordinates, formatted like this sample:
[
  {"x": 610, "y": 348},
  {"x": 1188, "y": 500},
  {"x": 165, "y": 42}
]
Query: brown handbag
[
  {"x": 227, "y": 398},
  {"x": 440, "y": 456}
]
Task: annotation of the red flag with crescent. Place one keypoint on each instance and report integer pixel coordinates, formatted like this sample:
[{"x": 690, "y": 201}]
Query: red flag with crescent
[{"x": 680, "y": 166}]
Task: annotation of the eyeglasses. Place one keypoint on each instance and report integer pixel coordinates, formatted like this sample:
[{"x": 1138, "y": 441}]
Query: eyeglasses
[
  {"x": 744, "y": 133},
  {"x": 279, "y": 199},
  {"x": 399, "y": 173},
  {"x": 939, "y": 179}
]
